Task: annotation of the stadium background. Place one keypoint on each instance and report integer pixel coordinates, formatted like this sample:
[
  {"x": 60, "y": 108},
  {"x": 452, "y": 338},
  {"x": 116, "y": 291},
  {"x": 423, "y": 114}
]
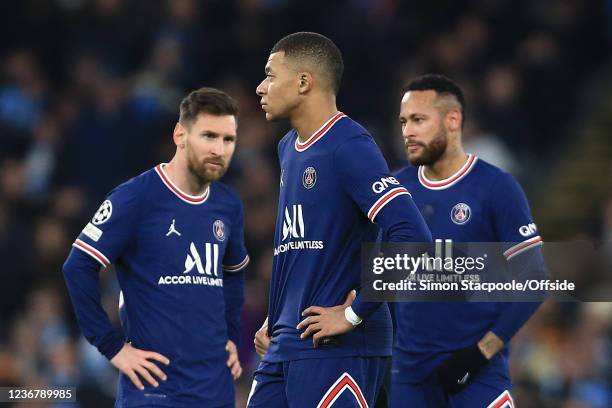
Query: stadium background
[{"x": 89, "y": 93}]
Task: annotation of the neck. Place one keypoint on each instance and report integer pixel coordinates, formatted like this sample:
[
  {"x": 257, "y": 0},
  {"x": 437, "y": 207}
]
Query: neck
[
  {"x": 312, "y": 115},
  {"x": 447, "y": 165},
  {"x": 180, "y": 175}
]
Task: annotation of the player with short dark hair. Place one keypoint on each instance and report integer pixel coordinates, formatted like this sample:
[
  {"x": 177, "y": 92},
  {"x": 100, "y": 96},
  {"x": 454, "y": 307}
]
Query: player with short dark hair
[
  {"x": 334, "y": 185},
  {"x": 312, "y": 51},
  {"x": 456, "y": 354},
  {"x": 206, "y": 100},
  {"x": 176, "y": 239}
]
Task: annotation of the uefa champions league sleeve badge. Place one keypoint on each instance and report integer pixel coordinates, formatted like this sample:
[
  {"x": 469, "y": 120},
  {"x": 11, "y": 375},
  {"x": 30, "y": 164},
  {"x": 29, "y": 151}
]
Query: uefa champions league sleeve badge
[{"x": 103, "y": 214}]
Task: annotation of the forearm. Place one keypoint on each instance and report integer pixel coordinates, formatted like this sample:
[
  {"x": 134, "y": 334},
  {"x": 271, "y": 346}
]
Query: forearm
[
  {"x": 233, "y": 290},
  {"x": 527, "y": 265},
  {"x": 400, "y": 221},
  {"x": 513, "y": 318},
  {"x": 363, "y": 309},
  {"x": 81, "y": 276}
]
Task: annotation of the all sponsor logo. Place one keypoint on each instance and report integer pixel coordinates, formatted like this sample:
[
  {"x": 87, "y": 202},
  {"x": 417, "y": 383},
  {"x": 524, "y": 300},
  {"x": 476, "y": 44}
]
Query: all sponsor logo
[
  {"x": 294, "y": 231},
  {"x": 207, "y": 268},
  {"x": 293, "y": 222}
]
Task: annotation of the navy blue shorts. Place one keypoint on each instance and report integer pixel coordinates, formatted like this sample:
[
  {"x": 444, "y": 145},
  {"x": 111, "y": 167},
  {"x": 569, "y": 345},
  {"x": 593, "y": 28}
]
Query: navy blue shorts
[
  {"x": 349, "y": 382},
  {"x": 485, "y": 392}
]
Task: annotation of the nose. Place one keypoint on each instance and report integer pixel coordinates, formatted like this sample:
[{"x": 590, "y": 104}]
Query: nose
[
  {"x": 261, "y": 89},
  {"x": 408, "y": 132},
  {"x": 217, "y": 148}
]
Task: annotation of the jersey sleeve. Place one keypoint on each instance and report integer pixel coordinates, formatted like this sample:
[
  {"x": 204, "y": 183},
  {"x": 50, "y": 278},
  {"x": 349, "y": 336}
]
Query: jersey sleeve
[
  {"x": 236, "y": 257},
  {"x": 112, "y": 227},
  {"x": 516, "y": 229},
  {"x": 364, "y": 175},
  {"x": 514, "y": 224}
]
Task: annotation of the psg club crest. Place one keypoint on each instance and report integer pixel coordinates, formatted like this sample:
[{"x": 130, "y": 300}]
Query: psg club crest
[
  {"x": 309, "y": 178},
  {"x": 103, "y": 214},
  {"x": 460, "y": 214},
  {"x": 219, "y": 230}
]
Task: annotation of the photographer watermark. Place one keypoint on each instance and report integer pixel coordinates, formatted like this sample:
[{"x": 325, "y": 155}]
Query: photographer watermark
[{"x": 475, "y": 271}]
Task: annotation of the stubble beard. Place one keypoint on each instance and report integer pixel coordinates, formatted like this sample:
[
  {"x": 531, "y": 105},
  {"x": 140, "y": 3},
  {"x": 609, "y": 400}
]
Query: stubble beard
[
  {"x": 431, "y": 152},
  {"x": 199, "y": 171}
]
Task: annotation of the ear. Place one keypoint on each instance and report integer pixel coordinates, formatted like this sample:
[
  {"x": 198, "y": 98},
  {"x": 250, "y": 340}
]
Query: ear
[
  {"x": 179, "y": 135},
  {"x": 306, "y": 82},
  {"x": 453, "y": 120}
]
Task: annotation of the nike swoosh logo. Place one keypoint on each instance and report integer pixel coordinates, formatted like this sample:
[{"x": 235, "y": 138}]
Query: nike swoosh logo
[{"x": 464, "y": 379}]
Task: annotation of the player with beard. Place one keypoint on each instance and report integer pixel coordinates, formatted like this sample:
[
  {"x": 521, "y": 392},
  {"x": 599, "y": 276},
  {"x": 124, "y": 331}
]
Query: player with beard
[
  {"x": 456, "y": 354},
  {"x": 175, "y": 237}
]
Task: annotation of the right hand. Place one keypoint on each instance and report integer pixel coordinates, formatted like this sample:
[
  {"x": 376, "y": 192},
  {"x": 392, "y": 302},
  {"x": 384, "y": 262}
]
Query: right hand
[
  {"x": 135, "y": 363},
  {"x": 262, "y": 340}
]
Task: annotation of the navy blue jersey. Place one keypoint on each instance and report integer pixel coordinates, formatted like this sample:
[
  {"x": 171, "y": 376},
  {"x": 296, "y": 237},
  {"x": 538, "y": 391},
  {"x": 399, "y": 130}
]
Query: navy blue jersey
[
  {"x": 171, "y": 251},
  {"x": 480, "y": 203},
  {"x": 332, "y": 189}
]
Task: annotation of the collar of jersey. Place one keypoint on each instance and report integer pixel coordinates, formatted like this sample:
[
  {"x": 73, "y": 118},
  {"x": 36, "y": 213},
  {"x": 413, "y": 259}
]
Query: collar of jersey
[
  {"x": 190, "y": 199},
  {"x": 318, "y": 135},
  {"x": 450, "y": 181}
]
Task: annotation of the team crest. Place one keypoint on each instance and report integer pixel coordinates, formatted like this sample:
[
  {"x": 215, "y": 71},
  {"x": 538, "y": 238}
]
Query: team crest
[
  {"x": 103, "y": 214},
  {"x": 460, "y": 214},
  {"x": 219, "y": 230},
  {"x": 309, "y": 178}
]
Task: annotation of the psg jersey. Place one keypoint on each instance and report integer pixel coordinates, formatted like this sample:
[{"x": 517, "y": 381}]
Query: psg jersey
[
  {"x": 479, "y": 203},
  {"x": 332, "y": 187},
  {"x": 170, "y": 251}
]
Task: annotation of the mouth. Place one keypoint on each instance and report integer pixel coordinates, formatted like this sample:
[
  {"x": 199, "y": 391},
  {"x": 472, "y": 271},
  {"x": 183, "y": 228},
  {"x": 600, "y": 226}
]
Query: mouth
[
  {"x": 214, "y": 163},
  {"x": 412, "y": 147}
]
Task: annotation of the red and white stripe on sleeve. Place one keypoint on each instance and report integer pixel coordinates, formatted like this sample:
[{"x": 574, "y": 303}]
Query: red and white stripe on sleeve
[
  {"x": 91, "y": 251},
  {"x": 239, "y": 267},
  {"x": 522, "y": 247},
  {"x": 384, "y": 200}
]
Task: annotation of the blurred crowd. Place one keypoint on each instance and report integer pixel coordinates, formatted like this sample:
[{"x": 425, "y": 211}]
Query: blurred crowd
[{"x": 89, "y": 94}]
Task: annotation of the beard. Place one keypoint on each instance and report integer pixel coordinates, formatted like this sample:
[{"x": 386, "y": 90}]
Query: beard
[
  {"x": 203, "y": 173},
  {"x": 430, "y": 152}
]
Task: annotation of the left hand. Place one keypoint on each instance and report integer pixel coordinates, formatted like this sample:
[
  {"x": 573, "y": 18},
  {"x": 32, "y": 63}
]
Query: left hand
[
  {"x": 457, "y": 371},
  {"x": 262, "y": 340},
  {"x": 233, "y": 363},
  {"x": 326, "y": 321}
]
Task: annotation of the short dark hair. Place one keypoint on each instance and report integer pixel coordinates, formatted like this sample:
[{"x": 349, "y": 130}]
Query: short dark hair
[
  {"x": 316, "y": 48},
  {"x": 441, "y": 84},
  {"x": 206, "y": 100}
]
